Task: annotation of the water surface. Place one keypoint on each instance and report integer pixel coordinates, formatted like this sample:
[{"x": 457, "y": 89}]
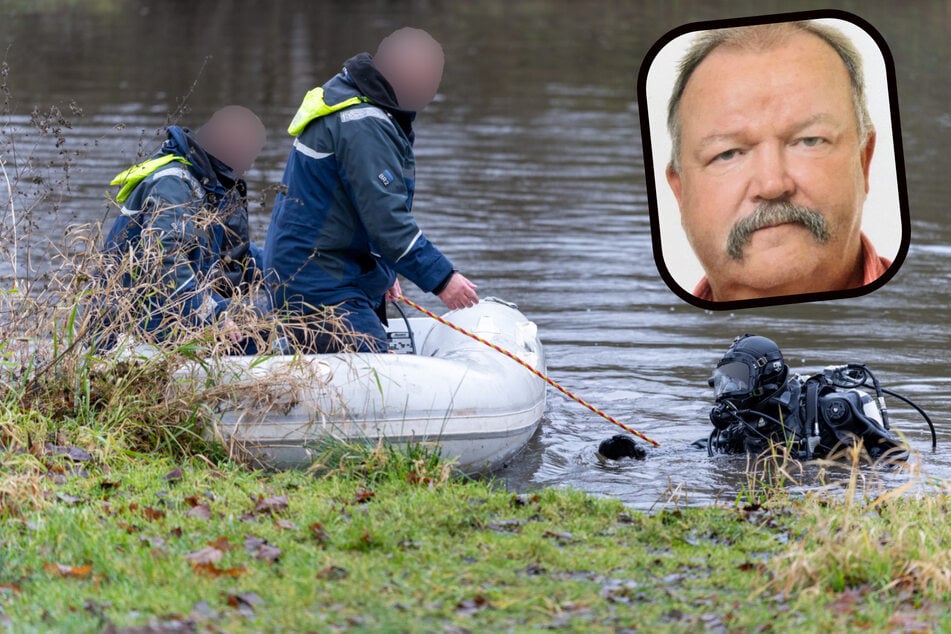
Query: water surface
[{"x": 530, "y": 179}]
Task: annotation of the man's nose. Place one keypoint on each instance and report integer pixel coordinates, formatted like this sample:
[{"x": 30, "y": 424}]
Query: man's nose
[{"x": 771, "y": 179}]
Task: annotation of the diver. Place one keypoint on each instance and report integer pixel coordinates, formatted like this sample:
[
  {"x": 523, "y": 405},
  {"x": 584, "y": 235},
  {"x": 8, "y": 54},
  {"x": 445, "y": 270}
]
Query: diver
[{"x": 760, "y": 404}]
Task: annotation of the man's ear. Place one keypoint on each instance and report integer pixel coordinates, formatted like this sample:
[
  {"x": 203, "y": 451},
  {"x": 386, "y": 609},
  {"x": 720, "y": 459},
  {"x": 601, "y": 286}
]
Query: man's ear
[
  {"x": 866, "y": 156},
  {"x": 673, "y": 179}
]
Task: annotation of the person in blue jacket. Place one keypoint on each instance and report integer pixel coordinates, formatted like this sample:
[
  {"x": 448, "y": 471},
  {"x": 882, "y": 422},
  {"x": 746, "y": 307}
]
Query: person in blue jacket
[
  {"x": 180, "y": 247},
  {"x": 342, "y": 228}
]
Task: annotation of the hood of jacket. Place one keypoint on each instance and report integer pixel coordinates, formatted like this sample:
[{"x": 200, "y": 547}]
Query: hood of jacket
[
  {"x": 371, "y": 82},
  {"x": 358, "y": 82},
  {"x": 213, "y": 174}
]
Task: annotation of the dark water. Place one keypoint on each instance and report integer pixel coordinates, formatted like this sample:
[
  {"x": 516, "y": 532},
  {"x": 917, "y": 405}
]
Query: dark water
[{"x": 530, "y": 179}]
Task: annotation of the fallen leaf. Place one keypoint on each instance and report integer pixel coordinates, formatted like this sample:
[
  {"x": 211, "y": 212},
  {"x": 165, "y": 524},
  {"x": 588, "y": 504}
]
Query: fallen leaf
[
  {"x": 332, "y": 573},
  {"x": 268, "y": 553},
  {"x": 108, "y": 485},
  {"x": 909, "y": 622},
  {"x": 252, "y": 543},
  {"x": 10, "y": 587},
  {"x": 318, "y": 533},
  {"x": 261, "y": 550},
  {"x": 363, "y": 496},
  {"x": 62, "y": 570},
  {"x": 212, "y": 570},
  {"x": 525, "y": 499},
  {"x": 73, "y": 453},
  {"x": 206, "y": 555},
  {"x": 562, "y": 537},
  {"x": 153, "y": 514},
  {"x": 222, "y": 544},
  {"x": 192, "y": 500},
  {"x": 155, "y": 542},
  {"x": 271, "y": 505},
  {"x": 847, "y": 601},
  {"x": 506, "y": 526},
  {"x": 68, "y": 499},
  {"x": 468, "y": 607},
  {"x": 750, "y": 566},
  {"x": 202, "y": 512},
  {"x": 175, "y": 475},
  {"x": 286, "y": 524},
  {"x": 244, "y": 600}
]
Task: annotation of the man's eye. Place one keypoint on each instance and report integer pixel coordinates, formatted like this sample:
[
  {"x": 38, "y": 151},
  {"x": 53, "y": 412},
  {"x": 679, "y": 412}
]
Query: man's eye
[
  {"x": 812, "y": 141},
  {"x": 726, "y": 156}
]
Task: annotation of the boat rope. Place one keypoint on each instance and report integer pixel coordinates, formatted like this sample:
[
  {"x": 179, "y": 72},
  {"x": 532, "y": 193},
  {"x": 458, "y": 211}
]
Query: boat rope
[{"x": 531, "y": 369}]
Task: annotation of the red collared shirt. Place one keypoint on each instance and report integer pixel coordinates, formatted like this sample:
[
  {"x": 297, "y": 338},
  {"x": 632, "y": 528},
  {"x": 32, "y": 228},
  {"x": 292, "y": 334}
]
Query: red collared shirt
[{"x": 873, "y": 266}]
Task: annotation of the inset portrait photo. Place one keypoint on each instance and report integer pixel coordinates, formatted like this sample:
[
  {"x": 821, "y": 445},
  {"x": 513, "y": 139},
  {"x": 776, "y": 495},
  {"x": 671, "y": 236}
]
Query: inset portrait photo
[{"x": 772, "y": 150}]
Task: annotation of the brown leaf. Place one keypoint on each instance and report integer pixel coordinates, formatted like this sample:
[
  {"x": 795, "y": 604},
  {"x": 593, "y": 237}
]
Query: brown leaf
[
  {"x": 222, "y": 544},
  {"x": 202, "y": 512},
  {"x": 468, "y": 607},
  {"x": 286, "y": 524},
  {"x": 107, "y": 485},
  {"x": 153, "y": 514},
  {"x": 212, "y": 570},
  {"x": 525, "y": 499},
  {"x": 62, "y": 570},
  {"x": 332, "y": 573},
  {"x": 175, "y": 475},
  {"x": 363, "y": 496},
  {"x": 318, "y": 533},
  {"x": 10, "y": 587},
  {"x": 271, "y": 505},
  {"x": 206, "y": 555},
  {"x": 193, "y": 500},
  {"x": 244, "y": 600}
]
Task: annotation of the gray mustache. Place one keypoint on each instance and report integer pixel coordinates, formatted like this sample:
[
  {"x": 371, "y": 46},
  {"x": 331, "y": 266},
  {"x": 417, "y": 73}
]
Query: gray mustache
[{"x": 775, "y": 213}]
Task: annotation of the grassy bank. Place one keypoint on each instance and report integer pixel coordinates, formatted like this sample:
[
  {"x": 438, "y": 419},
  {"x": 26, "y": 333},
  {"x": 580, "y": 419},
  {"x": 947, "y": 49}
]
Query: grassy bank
[{"x": 381, "y": 540}]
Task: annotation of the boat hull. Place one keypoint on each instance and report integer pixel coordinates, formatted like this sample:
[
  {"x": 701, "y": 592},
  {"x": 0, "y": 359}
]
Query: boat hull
[{"x": 476, "y": 405}]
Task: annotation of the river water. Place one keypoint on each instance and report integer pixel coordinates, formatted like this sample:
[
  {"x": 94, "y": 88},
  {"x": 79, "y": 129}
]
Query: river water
[{"x": 530, "y": 177}]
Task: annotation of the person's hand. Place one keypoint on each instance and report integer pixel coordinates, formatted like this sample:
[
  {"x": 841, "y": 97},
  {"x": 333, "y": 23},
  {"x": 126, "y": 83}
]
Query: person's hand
[
  {"x": 393, "y": 295},
  {"x": 459, "y": 293},
  {"x": 230, "y": 331}
]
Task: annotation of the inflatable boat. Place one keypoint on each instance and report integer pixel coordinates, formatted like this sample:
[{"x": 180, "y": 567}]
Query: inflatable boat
[{"x": 436, "y": 386}]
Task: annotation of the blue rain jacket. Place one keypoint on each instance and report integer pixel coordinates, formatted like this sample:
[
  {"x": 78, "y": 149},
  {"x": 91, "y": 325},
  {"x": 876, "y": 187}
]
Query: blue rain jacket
[
  {"x": 342, "y": 228},
  {"x": 191, "y": 212}
]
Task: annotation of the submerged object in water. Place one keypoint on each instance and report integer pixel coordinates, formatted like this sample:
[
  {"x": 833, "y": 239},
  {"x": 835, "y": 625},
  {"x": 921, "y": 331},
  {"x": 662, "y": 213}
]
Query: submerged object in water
[{"x": 621, "y": 446}]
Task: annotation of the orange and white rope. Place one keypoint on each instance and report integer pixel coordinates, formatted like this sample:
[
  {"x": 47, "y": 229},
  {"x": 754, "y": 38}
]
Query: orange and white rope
[{"x": 531, "y": 369}]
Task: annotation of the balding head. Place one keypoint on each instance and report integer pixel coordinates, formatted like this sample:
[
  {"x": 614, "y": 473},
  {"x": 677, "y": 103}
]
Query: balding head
[
  {"x": 412, "y": 62},
  {"x": 234, "y": 135}
]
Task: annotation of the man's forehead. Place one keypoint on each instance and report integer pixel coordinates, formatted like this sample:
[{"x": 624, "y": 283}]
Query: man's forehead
[{"x": 791, "y": 43}]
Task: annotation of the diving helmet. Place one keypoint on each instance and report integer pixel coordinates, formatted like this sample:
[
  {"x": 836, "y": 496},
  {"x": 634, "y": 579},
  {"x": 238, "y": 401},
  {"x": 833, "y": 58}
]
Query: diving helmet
[{"x": 753, "y": 366}]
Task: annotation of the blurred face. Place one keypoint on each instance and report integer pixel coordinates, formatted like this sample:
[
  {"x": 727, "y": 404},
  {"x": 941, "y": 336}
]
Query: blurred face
[
  {"x": 412, "y": 62},
  {"x": 772, "y": 175},
  {"x": 235, "y": 136}
]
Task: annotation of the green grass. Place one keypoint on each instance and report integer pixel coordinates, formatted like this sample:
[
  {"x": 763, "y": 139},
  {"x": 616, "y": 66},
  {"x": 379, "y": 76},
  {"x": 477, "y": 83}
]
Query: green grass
[{"x": 382, "y": 540}]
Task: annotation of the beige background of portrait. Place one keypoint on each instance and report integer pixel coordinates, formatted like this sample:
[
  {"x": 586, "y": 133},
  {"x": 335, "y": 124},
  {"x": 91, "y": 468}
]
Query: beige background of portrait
[{"x": 882, "y": 217}]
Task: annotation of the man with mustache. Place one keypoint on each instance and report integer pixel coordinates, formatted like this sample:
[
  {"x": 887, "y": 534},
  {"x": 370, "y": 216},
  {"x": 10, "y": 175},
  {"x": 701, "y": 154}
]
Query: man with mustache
[{"x": 772, "y": 143}]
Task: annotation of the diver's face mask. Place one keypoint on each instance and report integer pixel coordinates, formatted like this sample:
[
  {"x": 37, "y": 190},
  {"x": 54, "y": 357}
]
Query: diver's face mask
[{"x": 732, "y": 380}]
